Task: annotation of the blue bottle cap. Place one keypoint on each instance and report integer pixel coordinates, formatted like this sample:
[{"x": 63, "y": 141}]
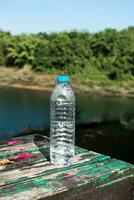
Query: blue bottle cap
[{"x": 63, "y": 79}]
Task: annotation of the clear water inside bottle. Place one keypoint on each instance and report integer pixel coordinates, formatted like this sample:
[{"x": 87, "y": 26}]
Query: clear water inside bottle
[{"x": 62, "y": 131}]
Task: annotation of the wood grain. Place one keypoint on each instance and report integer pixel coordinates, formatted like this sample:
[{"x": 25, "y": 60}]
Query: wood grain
[{"x": 36, "y": 178}]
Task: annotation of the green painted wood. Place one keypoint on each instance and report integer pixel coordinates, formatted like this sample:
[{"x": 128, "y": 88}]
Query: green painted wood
[{"x": 36, "y": 178}]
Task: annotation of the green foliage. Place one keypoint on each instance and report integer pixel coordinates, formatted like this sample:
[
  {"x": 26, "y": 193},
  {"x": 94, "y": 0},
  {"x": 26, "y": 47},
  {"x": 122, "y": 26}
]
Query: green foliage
[
  {"x": 6, "y": 41},
  {"x": 105, "y": 55}
]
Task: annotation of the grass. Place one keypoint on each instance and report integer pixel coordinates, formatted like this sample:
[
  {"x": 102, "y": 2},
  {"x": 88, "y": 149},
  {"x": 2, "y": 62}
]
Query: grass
[{"x": 89, "y": 80}]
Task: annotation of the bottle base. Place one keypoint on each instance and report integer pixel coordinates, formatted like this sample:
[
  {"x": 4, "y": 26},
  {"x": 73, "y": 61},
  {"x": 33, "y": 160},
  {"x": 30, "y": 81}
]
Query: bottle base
[
  {"x": 61, "y": 162},
  {"x": 57, "y": 159}
]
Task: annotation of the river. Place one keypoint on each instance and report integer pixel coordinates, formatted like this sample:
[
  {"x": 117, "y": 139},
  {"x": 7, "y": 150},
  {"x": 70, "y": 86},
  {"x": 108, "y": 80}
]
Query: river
[{"x": 97, "y": 119}]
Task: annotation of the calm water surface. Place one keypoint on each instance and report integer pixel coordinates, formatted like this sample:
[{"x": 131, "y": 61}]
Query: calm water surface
[{"x": 22, "y": 110}]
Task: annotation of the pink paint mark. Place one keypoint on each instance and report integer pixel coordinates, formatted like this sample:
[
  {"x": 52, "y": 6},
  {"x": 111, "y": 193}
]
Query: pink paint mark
[
  {"x": 68, "y": 173},
  {"x": 21, "y": 149},
  {"x": 77, "y": 178},
  {"x": 72, "y": 177},
  {"x": 69, "y": 178},
  {"x": 22, "y": 156},
  {"x": 13, "y": 142}
]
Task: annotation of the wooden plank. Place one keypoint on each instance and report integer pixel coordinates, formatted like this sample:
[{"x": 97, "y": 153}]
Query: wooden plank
[
  {"x": 6, "y": 147},
  {"x": 45, "y": 168},
  {"x": 36, "y": 178}
]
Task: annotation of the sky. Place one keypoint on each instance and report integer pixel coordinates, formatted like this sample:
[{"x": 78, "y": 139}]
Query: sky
[{"x": 33, "y": 16}]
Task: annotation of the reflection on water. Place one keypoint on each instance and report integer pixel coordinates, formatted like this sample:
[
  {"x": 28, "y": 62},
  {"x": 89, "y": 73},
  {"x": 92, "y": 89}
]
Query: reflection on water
[
  {"x": 104, "y": 124},
  {"x": 110, "y": 138}
]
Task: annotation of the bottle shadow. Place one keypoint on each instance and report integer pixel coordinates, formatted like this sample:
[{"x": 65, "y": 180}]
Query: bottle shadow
[{"x": 43, "y": 143}]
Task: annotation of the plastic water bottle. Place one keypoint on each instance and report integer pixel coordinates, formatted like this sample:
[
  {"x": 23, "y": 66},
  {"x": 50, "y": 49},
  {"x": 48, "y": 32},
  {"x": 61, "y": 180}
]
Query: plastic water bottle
[{"x": 62, "y": 123}]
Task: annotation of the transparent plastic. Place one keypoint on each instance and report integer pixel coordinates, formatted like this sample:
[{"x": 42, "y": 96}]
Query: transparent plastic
[{"x": 62, "y": 125}]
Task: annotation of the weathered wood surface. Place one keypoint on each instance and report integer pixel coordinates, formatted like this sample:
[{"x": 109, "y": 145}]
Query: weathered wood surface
[{"x": 31, "y": 176}]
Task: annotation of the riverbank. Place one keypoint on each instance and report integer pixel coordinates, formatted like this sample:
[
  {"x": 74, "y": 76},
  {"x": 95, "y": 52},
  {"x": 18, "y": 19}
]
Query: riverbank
[{"x": 25, "y": 78}]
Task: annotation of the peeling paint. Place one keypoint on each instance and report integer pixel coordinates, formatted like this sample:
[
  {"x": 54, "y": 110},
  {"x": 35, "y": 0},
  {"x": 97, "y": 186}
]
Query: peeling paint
[{"x": 36, "y": 174}]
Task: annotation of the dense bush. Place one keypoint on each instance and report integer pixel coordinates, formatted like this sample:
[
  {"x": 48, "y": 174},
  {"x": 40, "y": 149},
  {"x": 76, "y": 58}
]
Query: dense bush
[{"x": 110, "y": 51}]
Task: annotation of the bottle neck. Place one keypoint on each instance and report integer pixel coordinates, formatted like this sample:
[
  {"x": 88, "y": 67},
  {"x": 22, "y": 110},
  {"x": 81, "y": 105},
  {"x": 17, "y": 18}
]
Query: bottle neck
[{"x": 65, "y": 83}]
